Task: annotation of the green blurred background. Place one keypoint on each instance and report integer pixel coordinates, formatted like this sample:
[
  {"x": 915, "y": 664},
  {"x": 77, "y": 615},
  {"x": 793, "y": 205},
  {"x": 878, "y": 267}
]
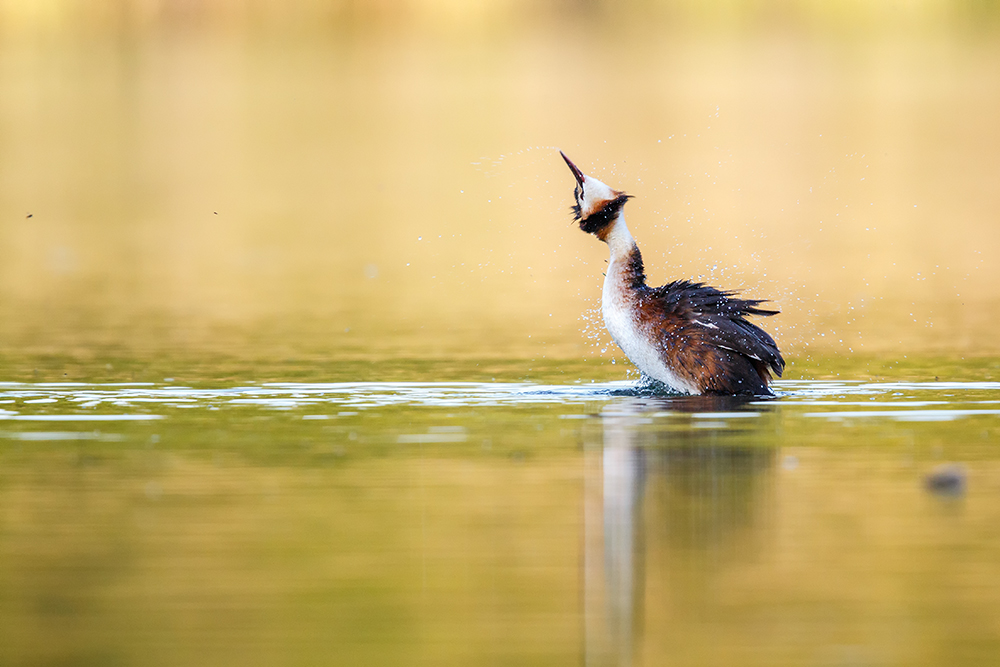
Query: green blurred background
[{"x": 378, "y": 180}]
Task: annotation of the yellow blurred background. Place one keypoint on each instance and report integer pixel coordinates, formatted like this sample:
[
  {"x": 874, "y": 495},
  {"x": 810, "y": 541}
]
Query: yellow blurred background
[{"x": 380, "y": 179}]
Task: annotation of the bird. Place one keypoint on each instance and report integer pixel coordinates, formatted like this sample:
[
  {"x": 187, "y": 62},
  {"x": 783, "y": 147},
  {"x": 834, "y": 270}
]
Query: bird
[{"x": 690, "y": 337}]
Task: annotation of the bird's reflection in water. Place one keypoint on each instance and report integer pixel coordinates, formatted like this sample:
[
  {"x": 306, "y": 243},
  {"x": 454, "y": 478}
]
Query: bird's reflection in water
[{"x": 664, "y": 499}]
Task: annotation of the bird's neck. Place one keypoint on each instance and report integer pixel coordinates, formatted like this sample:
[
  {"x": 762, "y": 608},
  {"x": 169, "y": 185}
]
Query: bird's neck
[{"x": 625, "y": 265}]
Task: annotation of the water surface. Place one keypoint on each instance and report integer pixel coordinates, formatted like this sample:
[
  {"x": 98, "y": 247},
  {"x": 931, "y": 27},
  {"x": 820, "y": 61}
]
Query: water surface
[
  {"x": 300, "y": 362},
  {"x": 497, "y": 523}
]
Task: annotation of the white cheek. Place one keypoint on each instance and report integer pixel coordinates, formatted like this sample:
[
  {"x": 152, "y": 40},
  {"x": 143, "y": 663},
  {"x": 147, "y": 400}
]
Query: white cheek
[{"x": 595, "y": 193}]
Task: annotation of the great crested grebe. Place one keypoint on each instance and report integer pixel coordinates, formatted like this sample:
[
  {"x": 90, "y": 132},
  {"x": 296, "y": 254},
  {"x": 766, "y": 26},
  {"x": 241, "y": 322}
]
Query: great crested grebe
[{"x": 691, "y": 337}]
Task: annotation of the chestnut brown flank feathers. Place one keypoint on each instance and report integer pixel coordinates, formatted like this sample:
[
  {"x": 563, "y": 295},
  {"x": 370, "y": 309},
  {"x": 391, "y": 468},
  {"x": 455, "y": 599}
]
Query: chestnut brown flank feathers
[{"x": 734, "y": 357}]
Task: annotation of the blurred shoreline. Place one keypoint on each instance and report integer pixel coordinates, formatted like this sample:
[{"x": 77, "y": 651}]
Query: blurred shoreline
[{"x": 486, "y": 16}]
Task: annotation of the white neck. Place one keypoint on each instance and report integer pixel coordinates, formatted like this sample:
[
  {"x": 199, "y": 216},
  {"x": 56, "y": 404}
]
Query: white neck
[{"x": 619, "y": 240}]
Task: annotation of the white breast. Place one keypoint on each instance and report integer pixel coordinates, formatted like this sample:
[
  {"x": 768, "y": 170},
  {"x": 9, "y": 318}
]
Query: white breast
[{"x": 619, "y": 309}]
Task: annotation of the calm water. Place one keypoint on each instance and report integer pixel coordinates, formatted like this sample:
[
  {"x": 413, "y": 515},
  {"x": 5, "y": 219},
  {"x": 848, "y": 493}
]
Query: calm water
[
  {"x": 498, "y": 523},
  {"x": 300, "y": 362}
]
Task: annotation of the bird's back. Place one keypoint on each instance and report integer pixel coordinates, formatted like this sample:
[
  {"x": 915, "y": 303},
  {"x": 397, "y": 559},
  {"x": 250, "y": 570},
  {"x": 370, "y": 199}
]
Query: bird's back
[{"x": 705, "y": 337}]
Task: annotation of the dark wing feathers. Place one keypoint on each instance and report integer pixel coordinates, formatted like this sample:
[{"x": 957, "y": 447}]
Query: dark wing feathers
[
  {"x": 702, "y": 297},
  {"x": 721, "y": 320}
]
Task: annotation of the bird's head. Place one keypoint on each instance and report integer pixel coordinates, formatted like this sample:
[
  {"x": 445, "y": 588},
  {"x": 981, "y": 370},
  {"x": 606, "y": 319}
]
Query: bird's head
[{"x": 597, "y": 205}]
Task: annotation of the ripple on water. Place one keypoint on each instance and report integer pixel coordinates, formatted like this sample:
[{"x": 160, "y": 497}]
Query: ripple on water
[
  {"x": 50, "y": 436},
  {"x": 841, "y": 401}
]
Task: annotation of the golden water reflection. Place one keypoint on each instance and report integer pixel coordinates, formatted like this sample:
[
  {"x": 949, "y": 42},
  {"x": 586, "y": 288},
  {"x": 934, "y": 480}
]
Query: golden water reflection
[
  {"x": 703, "y": 547},
  {"x": 518, "y": 523}
]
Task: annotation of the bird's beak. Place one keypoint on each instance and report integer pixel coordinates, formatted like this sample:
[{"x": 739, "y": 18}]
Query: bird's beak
[{"x": 572, "y": 167}]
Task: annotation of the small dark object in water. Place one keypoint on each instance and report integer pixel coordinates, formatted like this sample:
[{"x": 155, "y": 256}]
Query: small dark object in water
[
  {"x": 29, "y": 216},
  {"x": 948, "y": 480}
]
